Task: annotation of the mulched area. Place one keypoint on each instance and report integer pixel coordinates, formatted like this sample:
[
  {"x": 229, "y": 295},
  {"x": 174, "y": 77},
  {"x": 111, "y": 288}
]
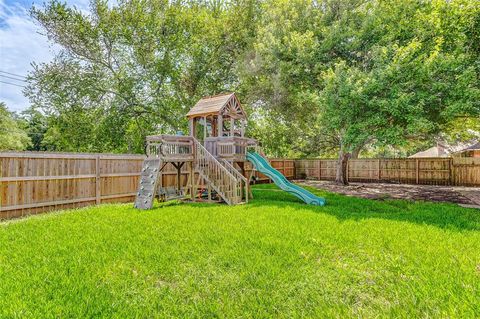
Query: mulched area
[{"x": 464, "y": 196}]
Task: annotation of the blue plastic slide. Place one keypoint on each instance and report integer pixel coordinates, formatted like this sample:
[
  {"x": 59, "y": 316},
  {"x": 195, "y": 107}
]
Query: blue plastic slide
[{"x": 262, "y": 165}]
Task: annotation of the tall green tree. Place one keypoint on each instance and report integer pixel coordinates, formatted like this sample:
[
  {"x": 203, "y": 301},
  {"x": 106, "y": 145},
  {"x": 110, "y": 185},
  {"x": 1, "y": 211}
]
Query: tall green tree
[
  {"x": 135, "y": 68},
  {"x": 12, "y": 134},
  {"x": 37, "y": 125},
  {"x": 352, "y": 73}
]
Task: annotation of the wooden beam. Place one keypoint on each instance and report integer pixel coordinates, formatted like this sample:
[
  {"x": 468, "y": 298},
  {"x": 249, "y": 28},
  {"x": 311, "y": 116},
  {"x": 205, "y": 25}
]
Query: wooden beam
[
  {"x": 191, "y": 126},
  {"x": 78, "y": 156},
  {"x": 204, "y": 128},
  {"x": 46, "y": 178},
  {"x": 44, "y": 204},
  {"x": 192, "y": 182},
  {"x": 220, "y": 125},
  {"x": 118, "y": 195}
]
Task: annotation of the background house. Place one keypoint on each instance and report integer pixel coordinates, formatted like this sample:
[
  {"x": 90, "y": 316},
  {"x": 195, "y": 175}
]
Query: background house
[{"x": 471, "y": 149}]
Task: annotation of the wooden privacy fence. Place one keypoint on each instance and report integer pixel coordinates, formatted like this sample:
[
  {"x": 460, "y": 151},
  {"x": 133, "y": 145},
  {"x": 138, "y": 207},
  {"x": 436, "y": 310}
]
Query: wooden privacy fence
[
  {"x": 427, "y": 171},
  {"x": 34, "y": 182}
]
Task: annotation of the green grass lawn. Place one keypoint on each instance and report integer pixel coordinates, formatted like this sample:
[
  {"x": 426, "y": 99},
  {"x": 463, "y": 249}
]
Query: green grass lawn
[{"x": 274, "y": 257}]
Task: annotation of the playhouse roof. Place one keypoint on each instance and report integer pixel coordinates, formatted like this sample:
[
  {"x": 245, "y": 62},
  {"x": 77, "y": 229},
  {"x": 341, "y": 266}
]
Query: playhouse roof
[{"x": 225, "y": 104}]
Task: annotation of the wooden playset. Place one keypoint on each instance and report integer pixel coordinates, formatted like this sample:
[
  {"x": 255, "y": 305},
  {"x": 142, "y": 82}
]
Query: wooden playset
[{"x": 214, "y": 153}]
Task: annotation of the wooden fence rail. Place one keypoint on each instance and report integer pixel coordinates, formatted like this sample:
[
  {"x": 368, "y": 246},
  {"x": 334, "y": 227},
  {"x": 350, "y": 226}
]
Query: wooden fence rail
[{"x": 34, "y": 182}]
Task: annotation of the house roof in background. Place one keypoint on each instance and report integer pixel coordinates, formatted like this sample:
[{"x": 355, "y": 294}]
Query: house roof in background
[
  {"x": 444, "y": 149},
  {"x": 474, "y": 147},
  {"x": 436, "y": 151}
]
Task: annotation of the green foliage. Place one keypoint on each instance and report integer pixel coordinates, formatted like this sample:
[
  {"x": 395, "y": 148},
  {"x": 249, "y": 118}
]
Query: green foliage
[
  {"x": 272, "y": 258},
  {"x": 37, "y": 126},
  {"x": 321, "y": 77},
  {"x": 359, "y": 72},
  {"x": 133, "y": 69},
  {"x": 12, "y": 133}
]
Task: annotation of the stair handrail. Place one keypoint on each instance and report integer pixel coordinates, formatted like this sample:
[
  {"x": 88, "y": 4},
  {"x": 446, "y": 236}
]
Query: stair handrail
[
  {"x": 241, "y": 180},
  {"x": 233, "y": 170},
  {"x": 221, "y": 179}
]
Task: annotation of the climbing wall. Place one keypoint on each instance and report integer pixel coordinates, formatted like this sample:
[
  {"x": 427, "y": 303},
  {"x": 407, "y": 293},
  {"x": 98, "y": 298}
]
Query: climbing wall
[{"x": 148, "y": 184}]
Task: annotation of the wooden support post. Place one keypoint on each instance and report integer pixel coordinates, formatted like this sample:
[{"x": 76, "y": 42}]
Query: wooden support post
[
  {"x": 220, "y": 125},
  {"x": 179, "y": 177},
  {"x": 192, "y": 182},
  {"x": 232, "y": 126},
  {"x": 197, "y": 183},
  {"x": 209, "y": 192},
  {"x": 179, "y": 166},
  {"x": 160, "y": 180},
  {"x": 213, "y": 126},
  {"x": 204, "y": 128},
  {"x": 191, "y": 126},
  {"x": 244, "y": 191},
  {"x": 98, "y": 198},
  {"x": 249, "y": 190}
]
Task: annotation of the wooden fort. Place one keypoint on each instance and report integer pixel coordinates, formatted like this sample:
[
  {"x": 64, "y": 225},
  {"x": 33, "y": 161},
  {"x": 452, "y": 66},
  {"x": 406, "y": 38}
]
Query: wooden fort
[{"x": 214, "y": 155}]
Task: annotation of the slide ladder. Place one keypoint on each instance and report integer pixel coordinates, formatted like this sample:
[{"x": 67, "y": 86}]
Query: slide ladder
[{"x": 262, "y": 165}]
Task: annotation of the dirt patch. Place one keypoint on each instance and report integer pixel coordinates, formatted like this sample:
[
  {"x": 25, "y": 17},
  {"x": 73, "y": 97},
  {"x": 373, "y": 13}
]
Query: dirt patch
[{"x": 464, "y": 196}]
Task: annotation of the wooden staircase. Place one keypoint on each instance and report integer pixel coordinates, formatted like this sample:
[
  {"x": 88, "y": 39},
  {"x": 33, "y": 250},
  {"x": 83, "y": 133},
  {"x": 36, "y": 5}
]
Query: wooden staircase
[{"x": 227, "y": 186}]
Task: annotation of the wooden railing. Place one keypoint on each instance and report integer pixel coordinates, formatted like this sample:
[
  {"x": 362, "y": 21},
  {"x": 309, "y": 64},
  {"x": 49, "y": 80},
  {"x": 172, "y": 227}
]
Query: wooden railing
[
  {"x": 170, "y": 147},
  {"x": 229, "y": 148},
  {"x": 221, "y": 180},
  {"x": 241, "y": 180}
]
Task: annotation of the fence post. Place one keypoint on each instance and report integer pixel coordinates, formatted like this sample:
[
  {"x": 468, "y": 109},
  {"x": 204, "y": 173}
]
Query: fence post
[
  {"x": 319, "y": 162},
  {"x": 378, "y": 172},
  {"x": 294, "y": 169},
  {"x": 417, "y": 170},
  {"x": 348, "y": 169},
  {"x": 97, "y": 180},
  {"x": 451, "y": 171}
]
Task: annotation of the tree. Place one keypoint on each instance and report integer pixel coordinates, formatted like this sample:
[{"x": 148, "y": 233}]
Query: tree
[
  {"x": 37, "y": 127},
  {"x": 358, "y": 72},
  {"x": 134, "y": 69},
  {"x": 12, "y": 134}
]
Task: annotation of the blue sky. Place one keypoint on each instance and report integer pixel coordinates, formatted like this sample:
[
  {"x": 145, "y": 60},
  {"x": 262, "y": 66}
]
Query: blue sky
[{"x": 20, "y": 45}]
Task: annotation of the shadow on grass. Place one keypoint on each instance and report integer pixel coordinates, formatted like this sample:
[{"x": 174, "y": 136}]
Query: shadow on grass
[{"x": 443, "y": 215}]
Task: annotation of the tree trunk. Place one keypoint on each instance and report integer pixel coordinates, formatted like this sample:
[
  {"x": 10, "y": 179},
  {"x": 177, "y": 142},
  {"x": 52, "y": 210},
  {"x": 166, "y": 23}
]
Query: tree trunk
[
  {"x": 341, "y": 176},
  {"x": 356, "y": 151}
]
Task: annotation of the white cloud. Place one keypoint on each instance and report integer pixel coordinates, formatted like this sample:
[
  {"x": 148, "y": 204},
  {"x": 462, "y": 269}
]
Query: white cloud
[{"x": 20, "y": 45}]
